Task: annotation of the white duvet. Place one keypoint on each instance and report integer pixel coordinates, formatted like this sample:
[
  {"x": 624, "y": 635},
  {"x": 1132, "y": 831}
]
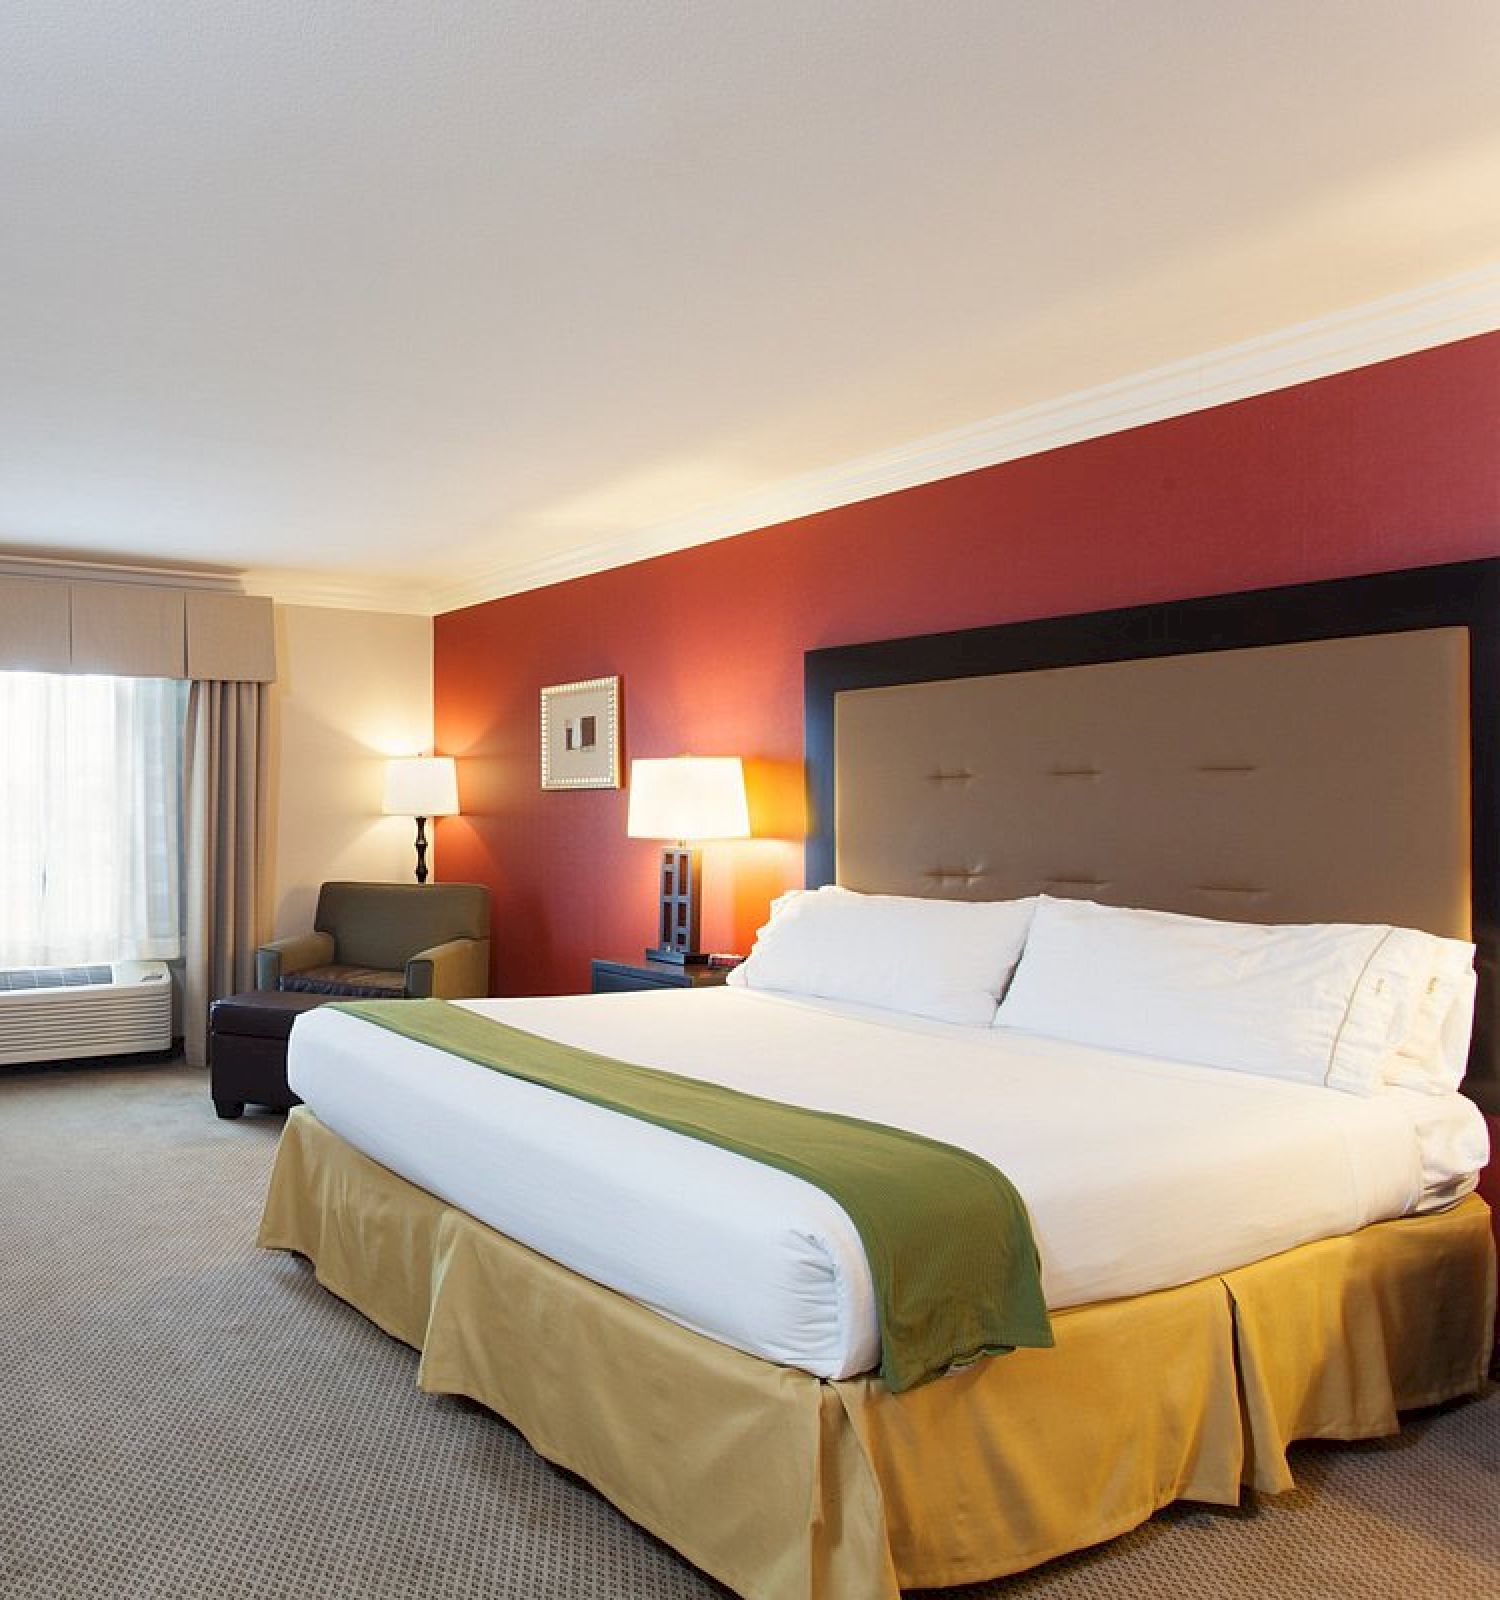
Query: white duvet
[{"x": 1137, "y": 1173}]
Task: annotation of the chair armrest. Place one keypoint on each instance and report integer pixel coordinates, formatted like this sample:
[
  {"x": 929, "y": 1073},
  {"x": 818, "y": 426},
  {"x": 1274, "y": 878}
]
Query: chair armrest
[
  {"x": 457, "y": 970},
  {"x": 296, "y": 954}
]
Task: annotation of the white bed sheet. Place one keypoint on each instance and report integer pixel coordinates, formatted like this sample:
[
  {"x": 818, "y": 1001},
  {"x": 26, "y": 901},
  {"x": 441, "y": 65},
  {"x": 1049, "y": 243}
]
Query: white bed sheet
[{"x": 1137, "y": 1173}]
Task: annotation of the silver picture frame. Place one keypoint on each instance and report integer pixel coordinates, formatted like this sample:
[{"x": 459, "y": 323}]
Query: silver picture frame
[{"x": 581, "y": 734}]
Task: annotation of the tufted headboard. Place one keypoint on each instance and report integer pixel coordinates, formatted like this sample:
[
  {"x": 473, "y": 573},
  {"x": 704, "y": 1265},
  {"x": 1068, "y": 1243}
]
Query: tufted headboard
[{"x": 1326, "y": 752}]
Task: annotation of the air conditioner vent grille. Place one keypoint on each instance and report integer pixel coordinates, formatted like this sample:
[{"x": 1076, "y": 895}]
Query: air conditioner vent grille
[{"x": 53, "y": 977}]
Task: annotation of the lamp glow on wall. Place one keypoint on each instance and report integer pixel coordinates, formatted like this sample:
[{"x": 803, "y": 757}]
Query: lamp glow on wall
[
  {"x": 421, "y": 787},
  {"x": 686, "y": 799}
]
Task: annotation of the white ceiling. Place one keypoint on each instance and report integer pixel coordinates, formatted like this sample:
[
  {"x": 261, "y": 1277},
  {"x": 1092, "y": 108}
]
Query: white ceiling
[{"x": 453, "y": 294}]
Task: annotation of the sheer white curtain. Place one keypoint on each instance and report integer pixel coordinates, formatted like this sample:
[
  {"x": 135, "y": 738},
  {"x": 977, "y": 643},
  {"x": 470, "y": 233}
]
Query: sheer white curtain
[{"x": 90, "y": 818}]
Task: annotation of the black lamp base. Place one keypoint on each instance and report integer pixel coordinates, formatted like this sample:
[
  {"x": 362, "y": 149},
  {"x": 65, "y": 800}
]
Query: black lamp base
[
  {"x": 677, "y": 930},
  {"x": 421, "y": 849}
]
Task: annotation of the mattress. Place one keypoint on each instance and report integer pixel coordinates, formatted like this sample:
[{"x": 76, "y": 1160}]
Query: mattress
[{"x": 1138, "y": 1174}]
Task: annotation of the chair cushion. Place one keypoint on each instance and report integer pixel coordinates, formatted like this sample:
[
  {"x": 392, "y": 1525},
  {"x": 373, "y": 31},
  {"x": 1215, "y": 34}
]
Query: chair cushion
[
  {"x": 260, "y": 1013},
  {"x": 362, "y": 983}
]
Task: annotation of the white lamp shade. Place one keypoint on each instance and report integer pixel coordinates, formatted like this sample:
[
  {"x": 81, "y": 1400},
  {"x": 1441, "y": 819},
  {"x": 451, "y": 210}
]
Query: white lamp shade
[
  {"x": 421, "y": 786},
  {"x": 688, "y": 797}
]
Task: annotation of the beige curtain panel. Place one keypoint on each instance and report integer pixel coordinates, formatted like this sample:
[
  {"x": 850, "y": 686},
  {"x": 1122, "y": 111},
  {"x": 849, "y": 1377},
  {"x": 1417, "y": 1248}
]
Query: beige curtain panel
[
  {"x": 226, "y": 787},
  {"x": 134, "y": 630}
]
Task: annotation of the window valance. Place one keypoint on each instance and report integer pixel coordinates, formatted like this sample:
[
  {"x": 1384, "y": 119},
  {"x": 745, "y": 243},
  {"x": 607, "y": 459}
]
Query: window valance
[{"x": 133, "y": 630}]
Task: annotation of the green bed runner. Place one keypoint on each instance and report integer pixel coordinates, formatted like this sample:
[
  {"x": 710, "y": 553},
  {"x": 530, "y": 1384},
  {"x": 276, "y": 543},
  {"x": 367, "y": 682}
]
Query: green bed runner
[{"x": 947, "y": 1237}]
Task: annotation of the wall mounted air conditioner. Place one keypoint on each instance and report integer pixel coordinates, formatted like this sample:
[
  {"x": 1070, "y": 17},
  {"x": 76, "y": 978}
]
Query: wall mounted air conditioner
[{"x": 61, "y": 1013}]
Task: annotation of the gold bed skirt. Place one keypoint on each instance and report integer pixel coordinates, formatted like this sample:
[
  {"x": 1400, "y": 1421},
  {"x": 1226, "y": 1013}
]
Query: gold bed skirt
[{"x": 786, "y": 1487}]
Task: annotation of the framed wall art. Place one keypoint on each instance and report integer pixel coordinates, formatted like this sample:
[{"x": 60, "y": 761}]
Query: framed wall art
[{"x": 581, "y": 734}]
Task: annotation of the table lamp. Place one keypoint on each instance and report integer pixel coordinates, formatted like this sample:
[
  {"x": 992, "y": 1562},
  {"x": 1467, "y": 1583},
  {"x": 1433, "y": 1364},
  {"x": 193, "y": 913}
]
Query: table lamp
[
  {"x": 685, "y": 799},
  {"x": 421, "y": 787}
]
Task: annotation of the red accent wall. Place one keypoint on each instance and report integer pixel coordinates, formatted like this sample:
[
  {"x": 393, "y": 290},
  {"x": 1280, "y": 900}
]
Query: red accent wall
[{"x": 1393, "y": 465}]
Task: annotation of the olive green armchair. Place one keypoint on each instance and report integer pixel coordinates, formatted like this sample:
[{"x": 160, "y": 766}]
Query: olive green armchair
[{"x": 387, "y": 941}]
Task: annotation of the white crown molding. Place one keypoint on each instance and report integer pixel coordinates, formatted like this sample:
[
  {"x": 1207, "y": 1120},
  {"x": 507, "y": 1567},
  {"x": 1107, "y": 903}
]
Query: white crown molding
[
  {"x": 290, "y": 587},
  {"x": 1440, "y": 313},
  {"x": 287, "y": 587},
  {"x": 34, "y": 566}
]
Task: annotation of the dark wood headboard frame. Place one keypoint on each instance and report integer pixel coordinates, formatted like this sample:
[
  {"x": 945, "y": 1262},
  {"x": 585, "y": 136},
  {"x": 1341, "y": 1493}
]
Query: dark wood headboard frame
[{"x": 1464, "y": 594}]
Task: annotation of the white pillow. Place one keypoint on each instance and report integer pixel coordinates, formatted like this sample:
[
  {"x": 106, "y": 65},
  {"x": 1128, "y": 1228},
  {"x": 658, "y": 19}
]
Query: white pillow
[
  {"x": 1433, "y": 1053},
  {"x": 948, "y": 960},
  {"x": 1320, "y": 1003}
]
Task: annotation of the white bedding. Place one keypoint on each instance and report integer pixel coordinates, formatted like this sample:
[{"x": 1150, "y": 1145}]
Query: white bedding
[{"x": 1137, "y": 1173}]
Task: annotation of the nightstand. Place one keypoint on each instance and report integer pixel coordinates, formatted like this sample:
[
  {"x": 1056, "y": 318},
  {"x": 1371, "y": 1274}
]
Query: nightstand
[{"x": 619, "y": 977}]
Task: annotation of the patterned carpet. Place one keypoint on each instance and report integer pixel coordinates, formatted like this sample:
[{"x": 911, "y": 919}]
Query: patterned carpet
[{"x": 183, "y": 1416}]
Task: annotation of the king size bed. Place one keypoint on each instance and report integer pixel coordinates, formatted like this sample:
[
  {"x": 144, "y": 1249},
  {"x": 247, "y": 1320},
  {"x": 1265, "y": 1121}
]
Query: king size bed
[{"x": 1252, "y": 1218}]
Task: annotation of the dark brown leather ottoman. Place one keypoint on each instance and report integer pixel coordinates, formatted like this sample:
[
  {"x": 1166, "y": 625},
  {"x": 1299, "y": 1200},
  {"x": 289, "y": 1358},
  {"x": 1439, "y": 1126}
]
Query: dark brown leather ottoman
[{"x": 247, "y": 1036}]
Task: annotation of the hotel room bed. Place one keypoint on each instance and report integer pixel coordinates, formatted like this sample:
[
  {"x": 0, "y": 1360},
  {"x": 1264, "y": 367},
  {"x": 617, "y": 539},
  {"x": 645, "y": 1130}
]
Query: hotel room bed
[
  {"x": 1232, "y": 1262},
  {"x": 1104, "y": 1146}
]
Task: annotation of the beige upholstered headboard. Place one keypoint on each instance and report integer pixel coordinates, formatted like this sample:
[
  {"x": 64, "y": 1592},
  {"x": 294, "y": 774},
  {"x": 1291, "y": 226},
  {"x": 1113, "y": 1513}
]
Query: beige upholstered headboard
[
  {"x": 1306, "y": 782},
  {"x": 1325, "y": 752}
]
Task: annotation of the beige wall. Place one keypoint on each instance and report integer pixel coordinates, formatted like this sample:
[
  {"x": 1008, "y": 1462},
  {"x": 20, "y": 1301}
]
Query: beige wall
[{"x": 353, "y": 688}]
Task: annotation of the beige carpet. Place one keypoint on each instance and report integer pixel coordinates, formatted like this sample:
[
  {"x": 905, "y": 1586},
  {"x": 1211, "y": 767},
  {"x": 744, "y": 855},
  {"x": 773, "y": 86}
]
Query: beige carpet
[{"x": 183, "y": 1416}]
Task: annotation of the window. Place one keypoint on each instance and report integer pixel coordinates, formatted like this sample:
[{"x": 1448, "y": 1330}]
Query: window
[{"x": 90, "y": 818}]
